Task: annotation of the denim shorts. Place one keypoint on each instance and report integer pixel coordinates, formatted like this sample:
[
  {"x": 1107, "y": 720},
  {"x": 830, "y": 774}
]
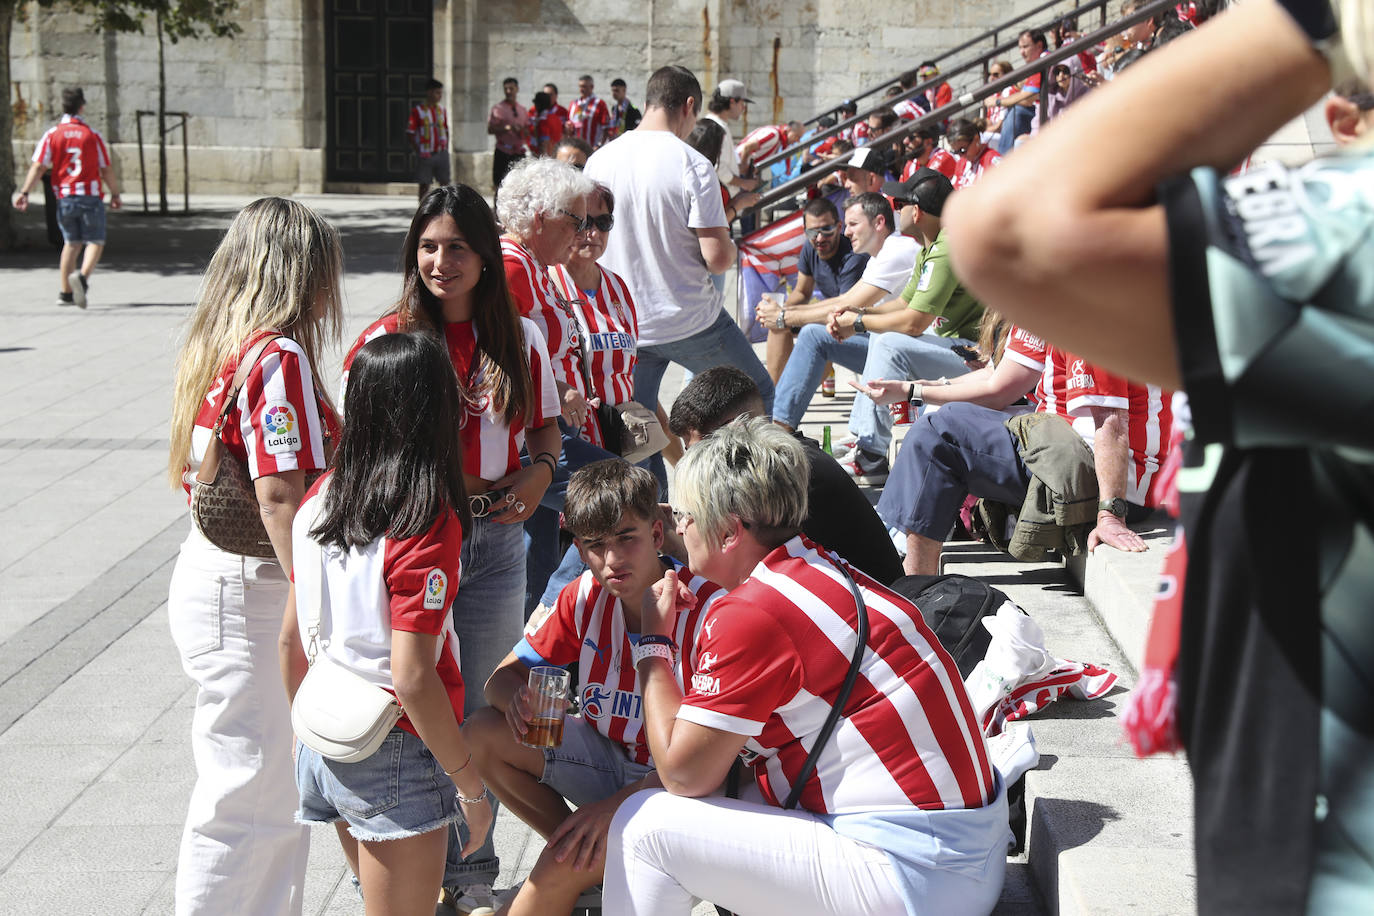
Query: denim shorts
[
  {"x": 588, "y": 767},
  {"x": 82, "y": 219},
  {"x": 400, "y": 791}
]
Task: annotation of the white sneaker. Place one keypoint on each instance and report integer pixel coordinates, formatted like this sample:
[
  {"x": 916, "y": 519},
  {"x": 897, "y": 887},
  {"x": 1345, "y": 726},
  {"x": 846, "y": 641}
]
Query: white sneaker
[
  {"x": 78, "y": 285},
  {"x": 471, "y": 899}
]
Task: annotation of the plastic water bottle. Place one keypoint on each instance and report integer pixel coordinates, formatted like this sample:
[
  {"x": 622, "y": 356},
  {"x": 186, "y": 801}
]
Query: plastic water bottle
[{"x": 825, "y": 440}]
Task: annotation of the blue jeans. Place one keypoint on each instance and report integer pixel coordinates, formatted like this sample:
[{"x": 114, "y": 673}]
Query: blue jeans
[
  {"x": 957, "y": 450},
  {"x": 1017, "y": 122},
  {"x": 541, "y": 528},
  {"x": 896, "y": 355},
  {"x": 400, "y": 791},
  {"x": 722, "y": 344},
  {"x": 81, "y": 218},
  {"x": 488, "y": 616},
  {"x": 814, "y": 348}
]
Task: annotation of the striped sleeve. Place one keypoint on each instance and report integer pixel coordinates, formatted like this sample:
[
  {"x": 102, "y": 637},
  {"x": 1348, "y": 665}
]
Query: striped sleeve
[
  {"x": 546, "y": 406},
  {"x": 279, "y": 416}
]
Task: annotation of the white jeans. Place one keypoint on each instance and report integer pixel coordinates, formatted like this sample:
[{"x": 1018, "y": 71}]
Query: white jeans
[
  {"x": 667, "y": 852},
  {"x": 242, "y": 851}
]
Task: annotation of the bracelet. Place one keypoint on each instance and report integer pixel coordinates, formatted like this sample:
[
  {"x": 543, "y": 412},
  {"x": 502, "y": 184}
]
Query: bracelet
[
  {"x": 486, "y": 794},
  {"x": 461, "y": 768},
  {"x": 916, "y": 393},
  {"x": 781, "y": 321},
  {"x": 547, "y": 459},
  {"x": 652, "y": 650}
]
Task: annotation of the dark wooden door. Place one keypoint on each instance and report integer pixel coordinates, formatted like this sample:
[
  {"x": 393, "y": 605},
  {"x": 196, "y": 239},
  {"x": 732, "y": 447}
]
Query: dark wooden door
[{"x": 379, "y": 55}]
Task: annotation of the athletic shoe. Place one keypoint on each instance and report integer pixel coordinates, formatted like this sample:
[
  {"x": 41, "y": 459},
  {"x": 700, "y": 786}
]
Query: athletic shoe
[
  {"x": 470, "y": 899},
  {"x": 78, "y": 283},
  {"x": 65, "y": 299},
  {"x": 843, "y": 449},
  {"x": 866, "y": 468}
]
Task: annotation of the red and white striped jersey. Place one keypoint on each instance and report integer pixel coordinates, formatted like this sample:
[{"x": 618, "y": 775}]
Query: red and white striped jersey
[
  {"x": 772, "y": 656},
  {"x": 940, "y": 160},
  {"x": 588, "y": 119},
  {"x": 770, "y": 138},
  {"x": 533, "y": 291},
  {"x": 390, "y": 584},
  {"x": 610, "y": 330},
  {"x": 277, "y": 423},
  {"x": 429, "y": 125},
  {"x": 76, "y": 153},
  {"x": 587, "y": 626},
  {"x": 1071, "y": 387},
  {"x": 909, "y": 110},
  {"x": 939, "y": 96},
  {"x": 970, "y": 170},
  {"x": 491, "y": 449},
  {"x": 860, "y": 133}
]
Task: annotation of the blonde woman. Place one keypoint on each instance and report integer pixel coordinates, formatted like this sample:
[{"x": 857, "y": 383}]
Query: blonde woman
[
  {"x": 275, "y": 275},
  {"x": 1253, "y": 292}
]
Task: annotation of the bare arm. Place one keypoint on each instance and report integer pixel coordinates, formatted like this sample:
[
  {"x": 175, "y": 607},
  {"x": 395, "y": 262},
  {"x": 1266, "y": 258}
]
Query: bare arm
[
  {"x": 997, "y": 389},
  {"x": 717, "y": 250},
  {"x": 1112, "y": 458},
  {"x": 290, "y": 649},
  {"x": 279, "y": 495},
  {"x": 885, "y": 318},
  {"x": 526, "y": 486},
  {"x": 1245, "y": 73},
  {"x": 21, "y": 200}
]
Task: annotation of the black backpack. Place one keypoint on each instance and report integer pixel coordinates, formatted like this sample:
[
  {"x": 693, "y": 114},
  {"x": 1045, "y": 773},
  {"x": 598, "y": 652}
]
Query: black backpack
[{"x": 954, "y": 606}]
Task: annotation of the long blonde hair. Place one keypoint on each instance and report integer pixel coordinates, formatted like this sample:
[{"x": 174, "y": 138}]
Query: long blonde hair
[{"x": 279, "y": 268}]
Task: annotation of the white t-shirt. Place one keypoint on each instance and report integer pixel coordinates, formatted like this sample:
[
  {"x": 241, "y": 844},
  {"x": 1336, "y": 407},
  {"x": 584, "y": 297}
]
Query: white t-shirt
[
  {"x": 891, "y": 268},
  {"x": 666, "y": 191},
  {"x": 727, "y": 167}
]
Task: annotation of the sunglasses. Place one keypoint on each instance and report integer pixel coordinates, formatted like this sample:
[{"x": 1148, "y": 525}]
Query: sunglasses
[
  {"x": 582, "y": 223},
  {"x": 602, "y": 223},
  {"x": 682, "y": 517},
  {"x": 819, "y": 231}
]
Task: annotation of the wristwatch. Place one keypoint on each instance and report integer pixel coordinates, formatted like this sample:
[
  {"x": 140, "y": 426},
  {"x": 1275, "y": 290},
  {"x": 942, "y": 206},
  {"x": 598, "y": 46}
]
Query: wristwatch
[
  {"x": 1116, "y": 506},
  {"x": 781, "y": 321},
  {"x": 859, "y": 323}
]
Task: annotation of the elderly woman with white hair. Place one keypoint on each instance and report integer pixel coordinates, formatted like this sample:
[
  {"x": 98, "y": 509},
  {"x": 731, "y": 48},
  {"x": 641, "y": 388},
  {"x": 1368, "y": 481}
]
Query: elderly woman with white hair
[
  {"x": 542, "y": 208},
  {"x": 898, "y": 811},
  {"x": 1253, "y": 291}
]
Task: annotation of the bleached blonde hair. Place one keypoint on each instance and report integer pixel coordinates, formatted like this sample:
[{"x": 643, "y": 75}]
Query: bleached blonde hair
[
  {"x": 279, "y": 268},
  {"x": 751, "y": 469},
  {"x": 1357, "y": 33}
]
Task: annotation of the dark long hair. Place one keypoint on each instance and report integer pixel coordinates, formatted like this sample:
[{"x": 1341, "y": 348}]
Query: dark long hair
[
  {"x": 400, "y": 462},
  {"x": 706, "y": 138},
  {"x": 500, "y": 341}
]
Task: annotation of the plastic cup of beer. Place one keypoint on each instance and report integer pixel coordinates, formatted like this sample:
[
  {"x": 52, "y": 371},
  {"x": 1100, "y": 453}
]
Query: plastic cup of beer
[{"x": 548, "y": 699}]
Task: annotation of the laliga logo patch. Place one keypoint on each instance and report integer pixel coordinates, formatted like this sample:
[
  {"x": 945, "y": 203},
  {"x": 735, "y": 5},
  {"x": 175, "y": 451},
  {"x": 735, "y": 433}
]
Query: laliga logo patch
[
  {"x": 436, "y": 588},
  {"x": 280, "y": 433}
]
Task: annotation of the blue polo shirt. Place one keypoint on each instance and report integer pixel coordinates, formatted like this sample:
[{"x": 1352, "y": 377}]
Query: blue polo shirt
[{"x": 836, "y": 275}]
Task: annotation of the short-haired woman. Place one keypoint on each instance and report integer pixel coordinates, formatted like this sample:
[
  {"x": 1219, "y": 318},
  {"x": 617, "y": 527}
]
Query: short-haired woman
[{"x": 903, "y": 812}]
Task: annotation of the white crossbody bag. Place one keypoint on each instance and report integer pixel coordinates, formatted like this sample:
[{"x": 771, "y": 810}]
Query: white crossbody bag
[{"x": 336, "y": 713}]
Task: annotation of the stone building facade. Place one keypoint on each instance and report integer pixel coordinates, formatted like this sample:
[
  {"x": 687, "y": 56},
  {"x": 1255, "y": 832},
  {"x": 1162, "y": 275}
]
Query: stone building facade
[{"x": 313, "y": 94}]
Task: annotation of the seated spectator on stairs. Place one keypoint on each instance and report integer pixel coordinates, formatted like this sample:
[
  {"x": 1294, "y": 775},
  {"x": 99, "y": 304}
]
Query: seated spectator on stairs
[
  {"x": 966, "y": 447},
  {"x": 871, "y": 229},
  {"x": 923, "y": 146},
  {"x": 975, "y": 158},
  {"x": 827, "y": 268},
  {"x": 910, "y": 336}
]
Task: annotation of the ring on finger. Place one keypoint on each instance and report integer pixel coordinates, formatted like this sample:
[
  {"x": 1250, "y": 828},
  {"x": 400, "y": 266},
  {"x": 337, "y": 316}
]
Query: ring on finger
[{"x": 519, "y": 506}]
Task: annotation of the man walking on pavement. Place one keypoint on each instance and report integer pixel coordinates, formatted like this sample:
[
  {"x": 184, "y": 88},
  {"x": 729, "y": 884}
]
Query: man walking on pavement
[
  {"x": 80, "y": 162},
  {"x": 427, "y": 131}
]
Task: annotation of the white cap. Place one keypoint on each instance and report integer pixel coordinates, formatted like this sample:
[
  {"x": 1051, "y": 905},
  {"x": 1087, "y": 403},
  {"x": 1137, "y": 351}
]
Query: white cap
[{"x": 733, "y": 89}]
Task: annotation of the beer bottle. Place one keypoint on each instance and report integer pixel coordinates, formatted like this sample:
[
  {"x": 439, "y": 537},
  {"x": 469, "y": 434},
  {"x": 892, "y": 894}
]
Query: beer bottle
[{"x": 825, "y": 440}]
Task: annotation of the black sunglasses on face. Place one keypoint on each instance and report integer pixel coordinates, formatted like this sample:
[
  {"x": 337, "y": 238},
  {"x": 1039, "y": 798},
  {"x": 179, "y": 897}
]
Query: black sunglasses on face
[
  {"x": 582, "y": 223},
  {"x": 602, "y": 223},
  {"x": 819, "y": 231}
]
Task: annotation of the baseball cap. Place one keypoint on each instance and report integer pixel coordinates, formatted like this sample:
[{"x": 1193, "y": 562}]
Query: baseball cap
[
  {"x": 733, "y": 89},
  {"x": 906, "y": 190},
  {"x": 870, "y": 159}
]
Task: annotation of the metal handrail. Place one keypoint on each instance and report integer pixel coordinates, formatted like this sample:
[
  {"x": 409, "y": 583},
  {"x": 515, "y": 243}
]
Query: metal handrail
[
  {"x": 981, "y": 58},
  {"x": 990, "y": 33},
  {"x": 968, "y": 99}
]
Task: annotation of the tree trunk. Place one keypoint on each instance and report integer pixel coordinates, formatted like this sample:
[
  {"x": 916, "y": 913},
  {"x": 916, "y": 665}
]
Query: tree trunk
[
  {"x": 161, "y": 120},
  {"x": 8, "y": 236}
]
